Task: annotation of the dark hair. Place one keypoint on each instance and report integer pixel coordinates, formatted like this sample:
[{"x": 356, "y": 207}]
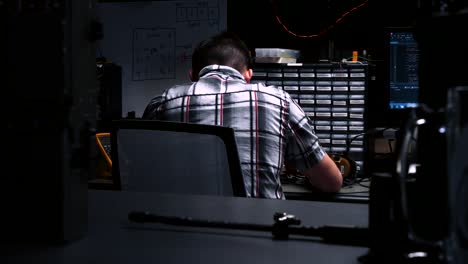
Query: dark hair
[{"x": 224, "y": 48}]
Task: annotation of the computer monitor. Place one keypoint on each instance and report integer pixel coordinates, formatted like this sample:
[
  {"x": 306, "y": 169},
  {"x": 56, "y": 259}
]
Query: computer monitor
[
  {"x": 396, "y": 89},
  {"x": 402, "y": 68}
]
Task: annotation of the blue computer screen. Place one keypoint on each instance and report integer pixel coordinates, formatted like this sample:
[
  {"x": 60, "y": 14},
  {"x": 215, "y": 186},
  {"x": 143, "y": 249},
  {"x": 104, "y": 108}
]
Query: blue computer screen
[{"x": 403, "y": 60}]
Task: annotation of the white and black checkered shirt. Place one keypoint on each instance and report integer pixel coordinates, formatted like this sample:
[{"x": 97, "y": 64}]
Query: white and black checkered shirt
[{"x": 270, "y": 127}]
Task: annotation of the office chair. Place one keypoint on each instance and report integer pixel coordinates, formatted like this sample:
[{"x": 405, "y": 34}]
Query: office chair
[{"x": 173, "y": 157}]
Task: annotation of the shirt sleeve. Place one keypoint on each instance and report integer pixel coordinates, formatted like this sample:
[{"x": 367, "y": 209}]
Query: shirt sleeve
[
  {"x": 151, "y": 110},
  {"x": 303, "y": 149}
]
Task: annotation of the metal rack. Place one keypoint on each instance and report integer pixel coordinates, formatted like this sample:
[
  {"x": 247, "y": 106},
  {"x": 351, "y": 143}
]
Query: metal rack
[{"x": 333, "y": 95}]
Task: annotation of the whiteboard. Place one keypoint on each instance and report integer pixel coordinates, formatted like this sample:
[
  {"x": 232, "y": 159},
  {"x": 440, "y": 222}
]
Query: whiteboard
[{"x": 153, "y": 41}]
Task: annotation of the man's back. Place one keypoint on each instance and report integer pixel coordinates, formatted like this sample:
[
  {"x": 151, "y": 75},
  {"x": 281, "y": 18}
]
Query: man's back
[{"x": 259, "y": 115}]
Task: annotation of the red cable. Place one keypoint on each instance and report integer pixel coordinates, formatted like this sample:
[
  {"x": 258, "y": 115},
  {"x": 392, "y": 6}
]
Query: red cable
[{"x": 323, "y": 31}]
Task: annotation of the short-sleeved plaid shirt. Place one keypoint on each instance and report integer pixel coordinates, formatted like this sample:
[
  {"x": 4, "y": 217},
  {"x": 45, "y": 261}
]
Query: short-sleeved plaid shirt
[{"x": 270, "y": 127}]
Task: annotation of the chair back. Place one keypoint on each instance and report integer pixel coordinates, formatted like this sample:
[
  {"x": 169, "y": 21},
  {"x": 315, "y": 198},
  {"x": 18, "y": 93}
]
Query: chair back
[{"x": 173, "y": 157}]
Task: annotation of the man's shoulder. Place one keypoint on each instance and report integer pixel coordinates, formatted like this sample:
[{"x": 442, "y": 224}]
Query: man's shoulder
[
  {"x": 200, "y": 88},
  {"x": 178, "y": 89},
  {"x": 269, "y": 89}
]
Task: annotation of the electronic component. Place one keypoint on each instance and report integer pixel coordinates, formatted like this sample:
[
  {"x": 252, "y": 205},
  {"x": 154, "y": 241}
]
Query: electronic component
[{"x": 103, "y": 142}]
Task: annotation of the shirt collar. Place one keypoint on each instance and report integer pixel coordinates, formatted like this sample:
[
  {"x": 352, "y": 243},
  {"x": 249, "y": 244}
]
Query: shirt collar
[{"x": 220, "y": 69}]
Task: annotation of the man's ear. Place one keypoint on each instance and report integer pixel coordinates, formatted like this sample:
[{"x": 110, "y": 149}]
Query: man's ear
[
  {"x": 248, "y": 75},
  {"x": 193, "y": 77},
  {"x": 191, "y": 74}
]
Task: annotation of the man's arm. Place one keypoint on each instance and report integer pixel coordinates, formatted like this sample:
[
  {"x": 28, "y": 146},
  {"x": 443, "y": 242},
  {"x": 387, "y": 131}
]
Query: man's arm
[
  {"x": 325, "y": 175},
  {"x": 306, "y": 154}
]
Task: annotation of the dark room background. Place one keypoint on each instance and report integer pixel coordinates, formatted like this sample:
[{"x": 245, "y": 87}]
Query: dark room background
[{"x": 327, "y": 30}]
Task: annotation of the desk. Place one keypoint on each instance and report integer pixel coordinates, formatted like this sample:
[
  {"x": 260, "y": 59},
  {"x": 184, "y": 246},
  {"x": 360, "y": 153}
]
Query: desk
[
  {"x": 357, "y": 192},
  {"x": 112, "y": 239}
]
